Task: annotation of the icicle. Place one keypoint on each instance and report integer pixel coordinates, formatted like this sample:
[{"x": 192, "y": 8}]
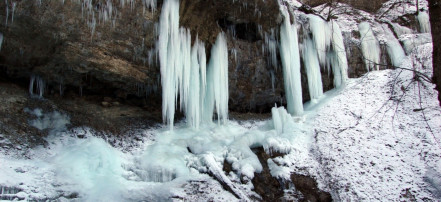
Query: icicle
[
  {"x": 273, "y": 81},
  {"x": 271, "y": 45},
  {"x": 13, "y": 11},
  {"x": 169, "y": 55},
  {"x": 289, "y": 52},
  {"x": 61, "y": 90},
  {"x": 7, "y": 12},
  {"x": 423, "y": 19},
  {"x": 312, "y": 66},
  {"x": 1, "y": 40},
  {"x": 394, "y": 49},
  {"x": 369, "y": 46},
  {"x": 216, "y": 96},
  {"x": 39, "y": 84}
]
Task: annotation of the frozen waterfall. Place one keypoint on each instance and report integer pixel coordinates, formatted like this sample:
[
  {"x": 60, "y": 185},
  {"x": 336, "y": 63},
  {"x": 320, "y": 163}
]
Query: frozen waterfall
[{"x": 289, "y": 53}]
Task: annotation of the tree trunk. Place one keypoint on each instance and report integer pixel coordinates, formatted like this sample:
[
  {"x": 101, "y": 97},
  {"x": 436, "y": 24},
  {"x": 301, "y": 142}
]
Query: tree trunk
[{"x": 435, "y": 22}]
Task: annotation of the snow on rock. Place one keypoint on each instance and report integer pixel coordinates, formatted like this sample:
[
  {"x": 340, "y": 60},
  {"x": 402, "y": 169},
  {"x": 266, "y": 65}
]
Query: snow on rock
[
  {"x": 392, "y": 9},
  {"x": 410, "y": 41}
]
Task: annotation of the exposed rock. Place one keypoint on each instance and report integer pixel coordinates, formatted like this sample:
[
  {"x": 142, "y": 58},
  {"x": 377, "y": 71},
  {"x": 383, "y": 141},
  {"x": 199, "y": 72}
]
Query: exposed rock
[
  {"x": 308, "y": 187},
  {"x": 304, "y": 188},
  {"x": 268, "y": 187}
]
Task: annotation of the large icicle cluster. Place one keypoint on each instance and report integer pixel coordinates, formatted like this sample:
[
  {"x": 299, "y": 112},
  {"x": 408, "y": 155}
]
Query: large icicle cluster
[
  {"x": 289, "y": 53},
  {"x": 183, "y": 72},
  {"x": 370, "y": 46}
]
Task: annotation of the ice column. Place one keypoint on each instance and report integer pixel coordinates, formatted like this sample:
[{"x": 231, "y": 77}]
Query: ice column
[
  {"x": 369, "y": 46},
  {"x": 216, "y": 96},
  {"x": 289, "y": 53}
]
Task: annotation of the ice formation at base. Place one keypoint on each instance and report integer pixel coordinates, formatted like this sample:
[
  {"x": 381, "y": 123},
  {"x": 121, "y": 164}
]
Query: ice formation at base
[
  {"x": 281, "y": 118},
  {"x": 370, "y": 46},
  {"x": 289, "y": 53},
  {"x": 423, "y": 19}
]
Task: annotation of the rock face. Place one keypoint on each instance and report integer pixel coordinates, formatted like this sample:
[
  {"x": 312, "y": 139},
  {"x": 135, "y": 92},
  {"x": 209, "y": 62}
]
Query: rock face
[
  {"x": 435, "y": 20},
  {"x": 109, "y": 50}
]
